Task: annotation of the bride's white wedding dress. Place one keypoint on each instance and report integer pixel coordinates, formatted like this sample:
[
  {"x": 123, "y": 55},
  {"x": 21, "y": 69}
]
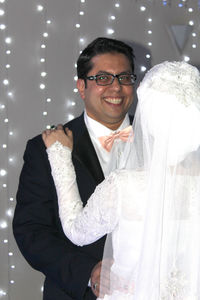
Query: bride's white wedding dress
[{"x": 118, "y": 207}]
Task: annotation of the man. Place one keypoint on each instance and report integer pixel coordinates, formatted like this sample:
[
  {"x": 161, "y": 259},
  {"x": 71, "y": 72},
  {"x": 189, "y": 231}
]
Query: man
[{"x": 105, "y": 83}]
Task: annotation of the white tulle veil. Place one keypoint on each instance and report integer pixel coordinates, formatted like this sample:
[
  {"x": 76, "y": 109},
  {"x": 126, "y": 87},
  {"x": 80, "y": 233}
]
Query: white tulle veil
[{"x": 165, "y": 151}]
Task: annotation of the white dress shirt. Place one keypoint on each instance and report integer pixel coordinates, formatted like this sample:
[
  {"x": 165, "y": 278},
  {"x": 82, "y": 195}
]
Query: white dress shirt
[{"x": 109, "y": 161}]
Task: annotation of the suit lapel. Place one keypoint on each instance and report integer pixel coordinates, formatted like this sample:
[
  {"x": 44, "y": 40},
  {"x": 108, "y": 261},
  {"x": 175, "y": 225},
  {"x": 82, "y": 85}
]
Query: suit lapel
[{"x": 84, "y": 150}]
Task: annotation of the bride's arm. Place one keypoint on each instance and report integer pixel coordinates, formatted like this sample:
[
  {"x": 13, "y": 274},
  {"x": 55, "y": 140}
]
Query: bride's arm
[{"x": 82, "y": 225}]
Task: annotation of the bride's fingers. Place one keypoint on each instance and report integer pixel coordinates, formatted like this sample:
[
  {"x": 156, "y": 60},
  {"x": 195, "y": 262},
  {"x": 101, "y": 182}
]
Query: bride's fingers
[
  {"x": 69, "y": 132},
  {"x": 59, "y": 127},
  {"x": 47, "y": 131}
]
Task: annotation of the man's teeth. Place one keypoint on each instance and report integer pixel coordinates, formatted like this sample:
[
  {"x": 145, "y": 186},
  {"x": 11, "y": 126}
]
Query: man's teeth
[{"x": 114, "y": 100}]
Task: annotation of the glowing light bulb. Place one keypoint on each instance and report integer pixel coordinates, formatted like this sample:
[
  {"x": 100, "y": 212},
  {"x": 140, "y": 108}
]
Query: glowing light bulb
[
  {"x": 3, "y": 172},
  {"x": 12, "y": 281},
  {"x": 2, "y": 106},
  {"x": 48, "y": 21},
  {"x": 149, "y": 44},
  {"x": 148, "y": 55},
  {"x": 75, "y": 90},
  {"x": 9, "y": 212},
  {"x": 117, "y": 5},
  {"x": 44, "y": 113},
  {"x": 42, "y": 86},
  {"x": 190, "y": 9},
  {"x": 8, "y": 40},
  {"x": 2, "y": 1},
  {"x": 43, "y": 46},
  {"x": 5, "y": 241},
  {"x": 81, "y": 13},
  {"x": 10, "y": 253},
  {"x": 45, "y": 34},
  {"x": 194, "y": 46},
  {"x": 4, "y": 146},
  {"x": 186, "y": 58},
  {"x": 2, "y": 26},
  {"x": 12, "y": 267},
  {"x": 43, "y": 74},
  {"x": 6, "y": 120},
  {"x": 7, "y": 66},
  {"x": 11, "y": 199},
  {"x": 10, "y": 94},
  {"x": 2, "y": 293},
  {"x": 76, "y": 78},
  {"x": 142, "y": 8},
  {"x": 112, "y": 17},
  {"x": 194, "y": 34},
  {"x": 8, "y": 52},
  {"x": 40, "y": 8},
  {"x": 6, "y": 82},
  {"x": 143, "y": 68},
  {"x": 3, "y": 224},
  {"x": 2, "y": 12},
  {"x": 82, "y": 1},
  {"x": 78, "y": 25},
  {"x": 70, "y": 117},
  {"x": 149, "y": 32},
  {"x": 48, "y": 100},
  {"x": 42, "y": 60},
  {"x": 110, "y": 31},
  {"x": 150, "y": 20}
]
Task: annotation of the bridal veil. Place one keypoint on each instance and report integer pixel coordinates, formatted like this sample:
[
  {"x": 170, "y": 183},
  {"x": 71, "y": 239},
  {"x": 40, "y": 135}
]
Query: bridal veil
[{"x": 165, "y": 152}]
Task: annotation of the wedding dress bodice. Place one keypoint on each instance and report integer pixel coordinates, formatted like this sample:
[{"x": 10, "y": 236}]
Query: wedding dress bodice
[{"x": 101, "y": 214}]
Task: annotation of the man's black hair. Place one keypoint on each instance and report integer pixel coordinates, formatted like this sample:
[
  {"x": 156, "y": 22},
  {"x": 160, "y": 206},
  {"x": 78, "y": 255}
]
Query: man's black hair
[{"x": 100, "y": 46}]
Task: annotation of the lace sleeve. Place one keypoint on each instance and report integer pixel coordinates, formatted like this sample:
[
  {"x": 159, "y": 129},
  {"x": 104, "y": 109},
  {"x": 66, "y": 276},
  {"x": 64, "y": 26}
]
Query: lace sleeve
[{"x": 82, "y": 225}]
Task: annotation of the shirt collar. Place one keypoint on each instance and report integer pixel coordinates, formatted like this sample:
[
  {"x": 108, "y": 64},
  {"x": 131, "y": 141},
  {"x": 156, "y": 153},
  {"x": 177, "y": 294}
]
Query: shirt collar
[{"x": 96, "y": 129}]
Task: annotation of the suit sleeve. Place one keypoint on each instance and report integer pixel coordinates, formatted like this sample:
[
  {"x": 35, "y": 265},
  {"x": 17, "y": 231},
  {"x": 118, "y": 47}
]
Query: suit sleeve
[{"x": 38, "y": 231}]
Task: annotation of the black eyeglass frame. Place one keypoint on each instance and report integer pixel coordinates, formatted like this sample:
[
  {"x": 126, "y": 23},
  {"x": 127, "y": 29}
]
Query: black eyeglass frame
[{"x": 95, "y": 77}]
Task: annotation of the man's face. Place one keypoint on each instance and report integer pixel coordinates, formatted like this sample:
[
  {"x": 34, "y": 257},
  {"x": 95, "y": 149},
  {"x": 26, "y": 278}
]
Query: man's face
[{"x": 107, "y": 104}]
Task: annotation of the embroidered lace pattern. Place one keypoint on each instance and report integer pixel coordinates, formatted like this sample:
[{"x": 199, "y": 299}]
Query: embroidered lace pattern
[
  {"x": 99, "y": 216},
  {"x": 175, "y": 286},
  {"x": 177, "y": 78}
]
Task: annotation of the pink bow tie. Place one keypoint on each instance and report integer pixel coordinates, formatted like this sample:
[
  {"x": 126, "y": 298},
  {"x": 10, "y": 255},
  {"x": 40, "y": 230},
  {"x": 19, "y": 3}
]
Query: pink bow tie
[{"x": 123, "y": 135}]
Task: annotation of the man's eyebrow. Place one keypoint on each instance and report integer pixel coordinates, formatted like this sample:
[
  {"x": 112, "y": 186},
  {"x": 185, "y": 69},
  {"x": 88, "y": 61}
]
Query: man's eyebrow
[{"x": 106, "y": 72}]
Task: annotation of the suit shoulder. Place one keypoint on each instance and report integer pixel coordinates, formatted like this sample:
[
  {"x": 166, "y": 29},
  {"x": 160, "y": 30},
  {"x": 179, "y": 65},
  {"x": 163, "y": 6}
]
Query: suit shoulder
[{"x": 75, "y": 122}]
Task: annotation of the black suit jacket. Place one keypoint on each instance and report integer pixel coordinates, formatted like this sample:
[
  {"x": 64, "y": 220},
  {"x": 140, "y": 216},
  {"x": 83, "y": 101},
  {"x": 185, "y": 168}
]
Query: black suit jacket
[{"x": 36, "y": 225}]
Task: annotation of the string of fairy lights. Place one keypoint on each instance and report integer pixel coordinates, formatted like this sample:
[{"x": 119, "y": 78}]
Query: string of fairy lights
[
  {"x": 45, "y": 28},
  {"x": 7, "y": 159},
  {"x": 7, "y": 93}
]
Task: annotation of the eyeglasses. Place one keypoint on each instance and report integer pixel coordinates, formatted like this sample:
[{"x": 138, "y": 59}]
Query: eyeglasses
[{"x": 107, "y": 79}]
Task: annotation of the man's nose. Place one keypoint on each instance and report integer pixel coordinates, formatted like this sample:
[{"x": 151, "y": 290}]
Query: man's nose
[{"x": 116, "y": 85}]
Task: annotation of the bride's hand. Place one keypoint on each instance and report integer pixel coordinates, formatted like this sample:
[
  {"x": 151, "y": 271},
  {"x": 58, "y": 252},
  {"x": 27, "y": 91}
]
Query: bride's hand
[{"x": 65, "y": 137}]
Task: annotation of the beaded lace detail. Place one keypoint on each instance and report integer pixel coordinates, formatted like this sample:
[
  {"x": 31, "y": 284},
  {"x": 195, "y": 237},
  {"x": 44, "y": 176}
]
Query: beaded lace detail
[
  {"x": 177, "y": 78},
  {"x": 99, "y": 216},
  {"x": 175, "y": 285}
]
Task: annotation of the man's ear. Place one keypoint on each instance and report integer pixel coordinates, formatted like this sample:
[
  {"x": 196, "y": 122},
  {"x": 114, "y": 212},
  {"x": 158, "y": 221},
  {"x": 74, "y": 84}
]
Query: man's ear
[{"x": 81, "y": 87}]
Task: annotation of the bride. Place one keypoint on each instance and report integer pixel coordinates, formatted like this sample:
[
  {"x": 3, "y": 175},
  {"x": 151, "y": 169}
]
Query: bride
[{"x": 150, "y": 207}]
